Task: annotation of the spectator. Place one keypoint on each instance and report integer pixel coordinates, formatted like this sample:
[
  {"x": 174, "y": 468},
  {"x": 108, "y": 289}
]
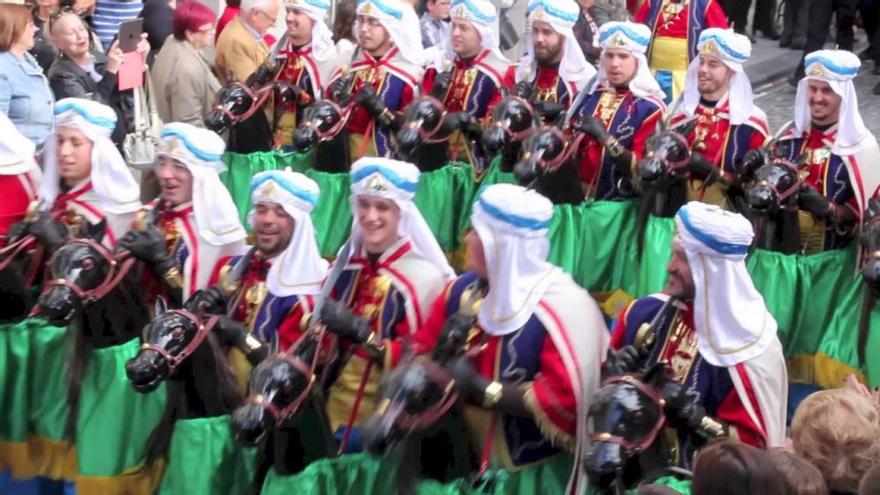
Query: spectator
[
  {"x": 241, "y": 48},
  {"x": 799, "y": 476},
  {"x": 435, "y": 22},
  {"x": 586, "y": 31},
  {"x": 110, "y": 13},
  {"x": 25, "y": 96},
  {"x": 870, "y": 484},
  {"x": 729, "y": 467},
  {"x": 342, "y": 25},
  {"x": 184, "y": 84},
  {"x": 838, "y": 431},
  {"x": 43, "y": 50},
  {"x": 233, "y": 7},
  {"x": 158, "y": 16}
]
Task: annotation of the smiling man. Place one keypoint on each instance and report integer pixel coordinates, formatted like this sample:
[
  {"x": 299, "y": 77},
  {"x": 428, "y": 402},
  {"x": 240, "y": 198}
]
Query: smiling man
[{"x": 841, "y": 154}]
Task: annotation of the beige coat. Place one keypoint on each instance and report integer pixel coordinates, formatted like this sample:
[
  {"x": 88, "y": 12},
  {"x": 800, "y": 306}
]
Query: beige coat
[
  {"x": 184, "y": 84},
  {"x": 239, "y": 52}
]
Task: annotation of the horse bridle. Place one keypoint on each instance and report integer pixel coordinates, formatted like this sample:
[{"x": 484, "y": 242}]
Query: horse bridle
[
  {"x": 427, "y": 136},
  {"x": 632, "y": 448},
  {"x": 258, "y": 97},
  {"x": 568, "y": 148},
  {"x": 782, "y": 195},
  {"x": 10, "y": 252},
  {"x": 419, "y": 421},
  {"x": 202, "y": 331},
  {"x": 674, "y": 166},
  {"x": 344, "y": 114},
  {"x": 518, "y": 135},
  {"x": 120, "y": 264}
]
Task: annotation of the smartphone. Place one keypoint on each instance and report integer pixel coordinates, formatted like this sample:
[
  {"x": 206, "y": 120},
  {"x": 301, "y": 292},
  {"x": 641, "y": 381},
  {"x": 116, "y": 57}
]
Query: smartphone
[{"x": 130, "y": 34}]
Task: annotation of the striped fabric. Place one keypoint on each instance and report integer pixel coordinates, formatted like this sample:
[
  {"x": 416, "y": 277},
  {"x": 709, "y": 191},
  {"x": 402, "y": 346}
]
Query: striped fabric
[{"x": 108, "y": 15}]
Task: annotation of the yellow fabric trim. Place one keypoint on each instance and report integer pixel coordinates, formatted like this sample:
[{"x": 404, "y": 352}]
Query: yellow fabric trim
[
  {"x": 550, "y": 431},
  {"x": 286, "y": 125},
  {"x": 669, "y": 53},
  {"x": 821, "y": 369},
  {"x": 354, "y": 144},
  {"x": 38, "y": 456},
  {"x": 241, "y": 369},
  {"x": 344, "y": 390},
  {"x": 131, "y": 482}
]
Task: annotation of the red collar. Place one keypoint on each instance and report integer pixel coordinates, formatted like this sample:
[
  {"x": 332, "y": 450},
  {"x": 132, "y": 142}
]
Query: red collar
[{"x": 60, "y": 203}]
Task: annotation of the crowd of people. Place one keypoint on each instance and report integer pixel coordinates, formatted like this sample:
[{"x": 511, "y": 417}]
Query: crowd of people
[{"x": 640, "y": 98}]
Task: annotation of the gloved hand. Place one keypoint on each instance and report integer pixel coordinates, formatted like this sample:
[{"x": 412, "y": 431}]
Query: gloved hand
[
  {"x": 811, "y": 200},
  {"x": 549, "y": 111},
  {"x": 453, "y": 336},
  {"x": 339, "y": 319},
  {"x": 751, "y": 162},
  {"x": 369, "y": 100},
  {"x": 149, "y": 246},
  {"x": 469, "y": 383},
  {"x": 682, "y": 406},
  {"x": 700, "y": 168},
  {"x": 288, "y": 93},
  {"x": 594, "y": 128},
  {"x": 338, "y": 91},
  {"x": 211, "y": 300},
  {"x": 50, "y": 233},
  {"x": 441, "y": 84},
  {"x": 523, "y": 89},
  {"x": 18, "y": 230},
  {"x": 464, "y": 122},
  {"x": 261, "y": 76},
  {"x": 230, "y": 333},
  {"x": 621, "y": 361}
]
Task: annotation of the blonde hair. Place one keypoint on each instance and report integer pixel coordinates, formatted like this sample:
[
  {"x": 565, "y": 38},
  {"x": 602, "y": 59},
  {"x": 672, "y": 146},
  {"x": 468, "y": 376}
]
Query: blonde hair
[
  {"x": 838, "y": 431},
  {"x": 799, "y": 476}
]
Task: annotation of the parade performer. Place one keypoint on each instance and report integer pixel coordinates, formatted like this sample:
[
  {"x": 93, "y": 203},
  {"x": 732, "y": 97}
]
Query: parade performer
[
  {"x": 19, "y": 175},
  {"x": 718, "y": 98},
  {"x": 840, "y": 151},
  {"x": 676, "y": 26},
  {"x": 384, "y": 75},
  {"x": 541, "y": 338},
  {"x": 194, "y": 223},
  {"x": 85, "y": 179},
  {"x": 306, "y": 61},
  {"x": 719, "y": 340},
  {"x": 468, "y": 74},
  {"x": 397, "y": 268},
  {"x": 554, "y": 68},
  {"x": 619, "y": 114}
]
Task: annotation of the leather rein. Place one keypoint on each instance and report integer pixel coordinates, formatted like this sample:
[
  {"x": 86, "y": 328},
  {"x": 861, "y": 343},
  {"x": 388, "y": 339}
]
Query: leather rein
[
  {"x": 419, "y": 421},
  {"x": 202, "y": 330},
  {"x": 634, "y": 448},
  {"x": 120, "y": 264}
]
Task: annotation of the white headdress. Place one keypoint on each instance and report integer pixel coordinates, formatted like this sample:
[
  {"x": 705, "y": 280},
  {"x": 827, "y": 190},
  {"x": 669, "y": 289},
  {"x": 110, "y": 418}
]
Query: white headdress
[
  {"x": 114, "y": 186},
  {"x": 483, "y": 16},
  {"x": 732, "y": 321},
  {"x": 402, "y": 23},
  {"x": 561, "y": 15},
  {"x": 512, "y": 223},
  {"x": 635, "y": 39},
  {"x": 323, "y": 47},
  {"x": 17, "y": 153},
  {"x": 299, "y": 269},
  {"x": 733, "y": 50},
  {"x": 397, "y": 181},
  {"x": 202, "y": 151},
  {"x": 837, "y": 68}
]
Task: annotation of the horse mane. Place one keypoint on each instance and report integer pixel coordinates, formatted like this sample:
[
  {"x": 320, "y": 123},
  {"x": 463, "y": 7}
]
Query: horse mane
[{"x": 79, "y": 353}]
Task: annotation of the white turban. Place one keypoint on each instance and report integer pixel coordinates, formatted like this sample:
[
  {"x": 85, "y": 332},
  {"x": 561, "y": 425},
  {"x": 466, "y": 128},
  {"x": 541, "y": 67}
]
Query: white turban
[
  {"x": 837, "y": 68},
  {"x": 402, "y": 23},
  {"x": 635, "y": 39},
  {"x": 732, "y": 320},
  {"x": 484, "y": 18},
  {"x": 732, "y": 50},
  {"x": 17, "y": 153},
  {"x": 202, "y": 151},
  {"x": 397, "y": 181},
  {"x": 299, "y": 269},
  {"x": 114, "y": 186},
  {"x": 323, "y": 47},
  {"x": 512, "y": 223},
  {"x": 561, "y": 15}
]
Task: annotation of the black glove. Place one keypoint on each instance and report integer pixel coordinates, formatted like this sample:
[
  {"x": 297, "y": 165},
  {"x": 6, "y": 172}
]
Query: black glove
[
  {"x": 211, "y": 300},
  {"x": 149, "y": 246},
  {"x": 470, "y": 384},
  {"x": 700, "y": 168},
  {"x": 751, "y": 162},
  {"x": 230, "y": 333},
  {"x": 441, "y": 84},
  {"x": 681, "y": 405},
  {"x": 464, "y": 122},
  {"x": 17, "y": 231},
  {"x": 624, "y": 360},
  {"x": 339, "y": 91},
  {"x": 811, "y": 200},
  {"x": 453, "y": 336},
  {"x": 370, "y": 101},
  {"x": 523, "y": 89},
  {"x": 288, "y": 93},
  {"x": 339, "y": 319},
  {"x": 595, "y": 128},
  {"x": 549, "y": 111},
  {"x": 261, "y": 76},
  {"x": 50, "y": 233}
]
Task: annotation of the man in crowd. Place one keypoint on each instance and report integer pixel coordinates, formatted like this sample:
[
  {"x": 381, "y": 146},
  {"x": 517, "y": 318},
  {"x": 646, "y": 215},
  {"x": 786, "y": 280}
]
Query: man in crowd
[
  {"x": 435, "y": 22},
  {"x": 717, "y": 338},
  {"x": 241, "y": 48},
  {"x": 841, "y": 153},
  {"x": 620, "y": 113},
  {"x": 718, "y": 107}
]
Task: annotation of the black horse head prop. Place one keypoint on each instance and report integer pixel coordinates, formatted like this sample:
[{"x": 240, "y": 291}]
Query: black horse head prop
[
  {"x": 423, "y": 121},
  {"x": 80, "y": 272},
  {"x": 513, "y": 119},
  {"x": 167, "y": 342},
  {"x": 237, "y": 101},
  {"x": 667, "y": 155},
  {"x": 412, "y": 397},
  {"x": 278, "y": 387},
  {"x": 321, "y": 121},
  {"x": 774, "y": 188},
  {"x": 543, "y": 152}
]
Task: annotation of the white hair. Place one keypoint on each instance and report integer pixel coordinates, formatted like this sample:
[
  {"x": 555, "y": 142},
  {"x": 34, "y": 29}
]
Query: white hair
[{"x": 249, "y": 5}]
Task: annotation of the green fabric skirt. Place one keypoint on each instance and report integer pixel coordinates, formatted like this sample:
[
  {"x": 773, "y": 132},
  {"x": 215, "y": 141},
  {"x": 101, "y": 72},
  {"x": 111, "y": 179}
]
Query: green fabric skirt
[
  {"x": 15, "y": 355},
  {"x": 656, "y": 252},
  {"x": 205, "y": 460}
]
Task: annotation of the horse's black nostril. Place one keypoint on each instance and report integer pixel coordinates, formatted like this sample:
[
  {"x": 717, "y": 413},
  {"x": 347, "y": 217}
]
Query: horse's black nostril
[
  {"x": 304, "y": 138},
  {"x": 407, "y": 140},
  {"x": 525, "y": 171},
  {"x": 58, "y": 305},
  {"x": 493, "y": 140},
  {"x": 216, "y": 121},
  {"x": 249, "y": 424},
  {"x": 601, "y": 463},
  {"x": 760, "y": 198}
]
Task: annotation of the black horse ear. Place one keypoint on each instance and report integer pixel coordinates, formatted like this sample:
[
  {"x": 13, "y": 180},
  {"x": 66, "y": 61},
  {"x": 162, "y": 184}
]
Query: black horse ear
[
  {"x": 655, "y": 375},
  {"x": 504, "y": 91},
  {"x": 687, "y": 128},
  {"x": 97, "y": 234},
  {"x": 160, "y": 306}
]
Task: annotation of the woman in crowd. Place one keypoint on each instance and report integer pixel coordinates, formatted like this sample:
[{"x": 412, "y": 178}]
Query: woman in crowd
[
  {"x": 799, "y": 476},
  {"x": 185, "y": 86},
  {"x": 158, "y": 18},
  {"x": 732, "y": 468},
  {"x": 25, "y": 96},
  {"x": 43, "y": 50}
]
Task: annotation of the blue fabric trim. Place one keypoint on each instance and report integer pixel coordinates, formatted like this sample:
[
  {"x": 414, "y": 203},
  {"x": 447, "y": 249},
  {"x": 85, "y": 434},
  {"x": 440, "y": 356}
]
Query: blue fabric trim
[
  {"x": 740, "y": 57},
  {"x": 629, "y": 33},
  {"x": 279, "y": 178},
  {"x": 708, "y": 240},
  {"x": 664, "y": 79},
  {"x": 552, "y": 10},
  {"x": 832, "y": 66},
  {"x": 515, "y": 220},
  {"x": 201, "y": 155},
  {"x": 84, "y": 113},
  {"x": 318, "y": 3},
  {"x": 387, "y": 9},
  {"x": 475, "y": 10},
  {"x": 386, "y": 172}
]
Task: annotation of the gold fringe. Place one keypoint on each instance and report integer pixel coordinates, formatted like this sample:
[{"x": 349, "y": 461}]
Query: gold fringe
[
  {"x": 821, "y": 369},
  {"x": 557, "y": 437}
]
